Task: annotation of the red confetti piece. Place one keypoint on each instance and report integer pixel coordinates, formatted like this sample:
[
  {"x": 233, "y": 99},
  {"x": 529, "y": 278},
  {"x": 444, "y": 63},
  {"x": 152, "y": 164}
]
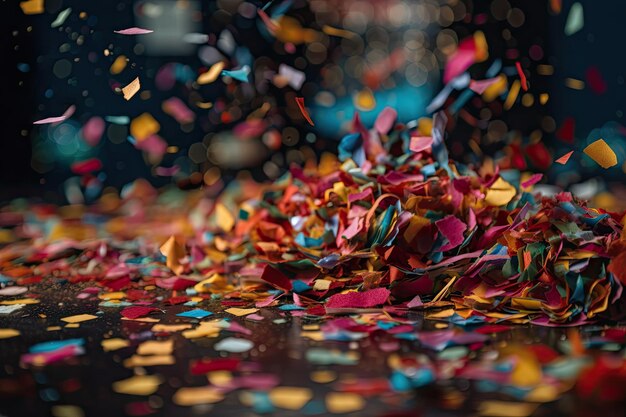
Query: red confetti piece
[
  {"x": 566, "y": 131},
  {"x": 305, "y": 113},
  {"x": 595, "y": 80},
  {"x": 522, "y": 76},
  {"x": 135, "y": 312},
  {"x": 563, "y": 160}
]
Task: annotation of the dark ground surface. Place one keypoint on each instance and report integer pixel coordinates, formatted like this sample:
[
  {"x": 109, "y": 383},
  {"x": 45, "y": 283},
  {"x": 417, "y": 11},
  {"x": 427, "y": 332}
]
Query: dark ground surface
[{"x": 85, "y": 380}]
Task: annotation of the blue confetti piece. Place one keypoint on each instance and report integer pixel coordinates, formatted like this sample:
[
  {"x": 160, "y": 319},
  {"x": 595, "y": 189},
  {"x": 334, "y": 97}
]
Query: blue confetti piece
[
  {"x": 195, "y": 314},
  {"x": 238, "y": 74},
  {"x": 54, "y": 345}
]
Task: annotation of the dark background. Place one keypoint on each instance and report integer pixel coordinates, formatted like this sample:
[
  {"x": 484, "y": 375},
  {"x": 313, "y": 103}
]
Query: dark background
[{"x": 30, "y": 40}]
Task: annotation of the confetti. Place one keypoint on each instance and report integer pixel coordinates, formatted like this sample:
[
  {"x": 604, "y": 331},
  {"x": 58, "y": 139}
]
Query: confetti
[
  {"x": 138, "y": 385},
  {"x": 563, "y": 159},
  {"x": 133, "y": 31},
  {"x": 601, "y": 153},
  {"x": 575, "y": 19},
  {"x": 234, "y": 345},
  {"x": 131, "y": 89},
  {"x": 303, "y": 110}
]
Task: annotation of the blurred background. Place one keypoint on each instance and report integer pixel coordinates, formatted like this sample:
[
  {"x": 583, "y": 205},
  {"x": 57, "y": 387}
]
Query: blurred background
[{"x": 189, "y": 128}]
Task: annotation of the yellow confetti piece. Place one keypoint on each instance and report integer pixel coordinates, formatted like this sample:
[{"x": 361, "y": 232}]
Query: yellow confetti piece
[
  {"x": 32, "y": 6},
  {"x": 543, "y": 98},
  {"x": 543, "y": 394},
  {"x": 344, "y": 402},
  {"x": 364, "y": 100},
  {"x": 152, "y": 360},
  {"x": 482, "y": 50},
  {"x": 220, "y": 378},
  {"x": 496, "y": 89},
  {"x": 118, "y": 65},
  {"x": 156, "y": 347},
  {"x": 500, "y": 193},
  {"x": 109, "y": 345},
  {"x": 197, "y": 395},
  {"x": 131, "y": 89},
  {"x": 8, "y": 333},
  {"x": 79, "y": 318},
  {"x": 505, "y": 408},
  {"x": 67, "y": 411},
  {"x": 601, "y": 153},
  {"x": 112, "y": 295},
  {"x": 72, "y": 326},
  {"x": 205, "y": 329},
  {"x": 574, "y": 84},
  {"x": 513, "y": 93},
  {"x": 340, "y": 33},
  {"x": 20, "y": 301},
  {"x": 138, "y": 385},
  {"x": 323, "y": 377},
  {"x": 144, "y": 126},
  {"x": 317, "y": 336},
  {"x": 212, "y": 74},
  {"x": 53, "y": 328},
  {"x": 143, "y": 319},
  {"x": 170, "y": 328},
  {"x": 290, "y": 398},
  {"x": 241, "y": 311},
  {"x": 225, "y": 220}
]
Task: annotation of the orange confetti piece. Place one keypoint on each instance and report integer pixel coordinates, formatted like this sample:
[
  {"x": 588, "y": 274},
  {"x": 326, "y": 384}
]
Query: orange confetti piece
[
  {"x": 601, "y": 153},
  {"x": 522, "y": 76},
  {"x": 563, "y": 160},
  {"x": 305, "y": 113},
  {"x": 131, "y": 89}
]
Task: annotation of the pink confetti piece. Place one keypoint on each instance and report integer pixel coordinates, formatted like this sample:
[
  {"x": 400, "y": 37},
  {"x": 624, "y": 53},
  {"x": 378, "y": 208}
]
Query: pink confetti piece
[
  {"x": 50, "y": 120},
  {"x": 534, "y": 179},
  {"x": 452, "y": 229},
  {"x": 563, "y": 160},
  {"x": 420, "y": 143},
  {"x": 479, "y": 86},
  {"x": 365, "y": 299},
  {"x": 461, "y": 60},
  {"x": 385, "y": 120},
  {"x": 92, "y": 131},
  {"x": 133, "y": 31}
]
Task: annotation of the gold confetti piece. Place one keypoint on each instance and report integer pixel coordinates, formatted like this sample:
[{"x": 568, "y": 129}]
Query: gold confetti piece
[
  {"x": 112, "y": 295},
  {"x": 241, "y": 311},
  {"x": 543, "y": 69},
  {"x": 118, "y": 65},
  {"x": 543, "y": 394},
  {"x": 323, "y": 377},
  {"x": 500, "y": 193},
  {"x": 153, "y": 360},
  {"x": 212, "y": 74},
  {"x": 72, "y": 326},
  {"x": 601, "y": 153},
  {"x": 220, "y": 378},
  {"x": 156, "y": 347},
  {"x": 143, "y": 319},
  {"x": 543, "y": 98},
  {"x": 79, "y": 318},
  {"x": 67, "y": 411},
  {"x": 317, "y": 336},
  {"x": 225, "y": 220},
  {"x": 174, "y": 252},
  {"x": 32, "y": 6},
  {"x": 364, "y": 100},
  {"x": 144, "y": 126},
  {"x": 20, "y": 301},
  {"x": 109, "y": 345},
  {"x": 290, "y": 398},
  {"x": 513, "y": 93},
  {"x": 170, "y": 328},
  {"x": 496, "y": 89},
  {"x": 344, "y": 402},
  {"x": 131, "y": 89},
  {"x": 504, "y": 408},
  {"x": 205, "y": 329},
  {"x": 340, "y": 33},
  {"x": 53, "y": 328},
  {"x": 8, "y": 333},
  {"x": 322, "y": 284},
  {"x": 203, "y": 105},
  {"x": 574, "y": 84},
  {"x": 138, "y": 385},
  {"x": 197, "y": 395}
]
